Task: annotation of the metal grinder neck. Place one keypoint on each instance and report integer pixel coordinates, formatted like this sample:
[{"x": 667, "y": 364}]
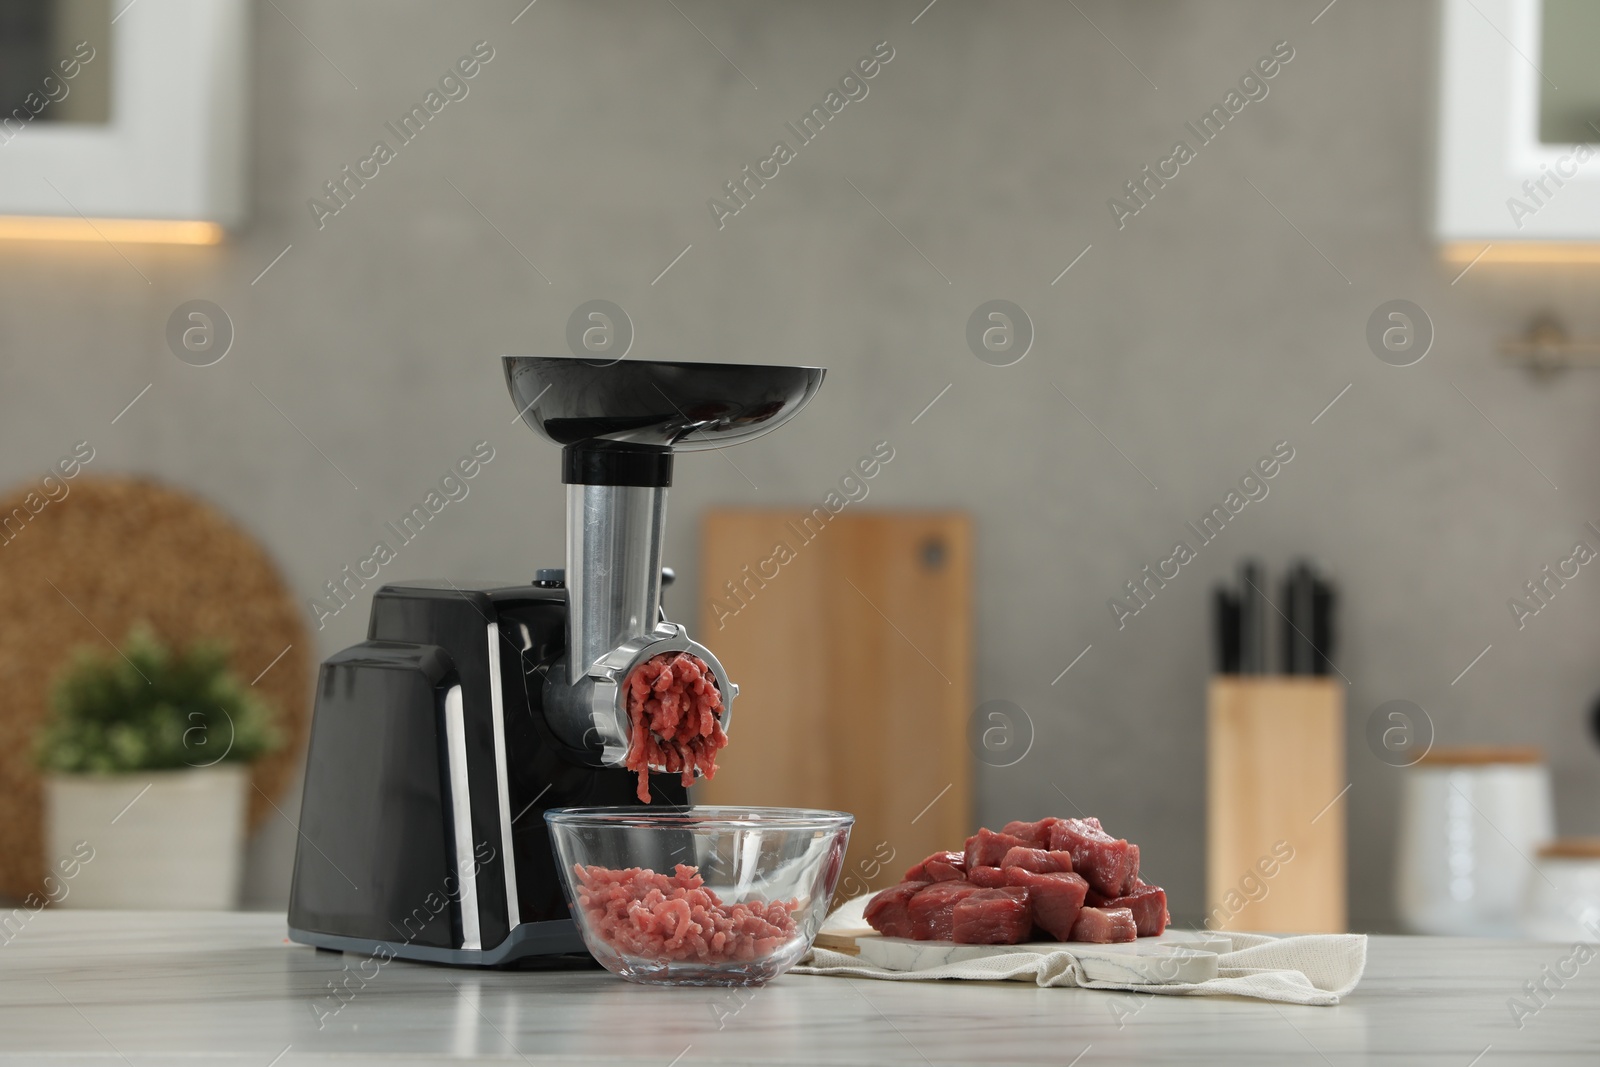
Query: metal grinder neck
[{"x": 616, "y": 521}]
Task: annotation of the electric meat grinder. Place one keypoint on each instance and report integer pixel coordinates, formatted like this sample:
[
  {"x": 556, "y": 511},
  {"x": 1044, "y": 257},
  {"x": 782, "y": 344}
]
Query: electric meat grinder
[{"x": 439, "y": 742}]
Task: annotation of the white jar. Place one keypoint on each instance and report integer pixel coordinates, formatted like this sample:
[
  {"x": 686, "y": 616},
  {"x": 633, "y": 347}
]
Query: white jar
[
  {"x": 1472, "y": 821},
  {"x": 1563, "y": 898}
]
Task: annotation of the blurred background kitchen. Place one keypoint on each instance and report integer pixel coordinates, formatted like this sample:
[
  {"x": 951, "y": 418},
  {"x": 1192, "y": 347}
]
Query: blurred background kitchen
[{"x": 1171, "y": 322}]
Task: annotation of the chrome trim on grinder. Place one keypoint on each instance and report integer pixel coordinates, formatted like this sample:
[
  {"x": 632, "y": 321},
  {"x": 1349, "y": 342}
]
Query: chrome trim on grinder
[
  {"x": 455, "y": 739},
  {"x": 501, "y": 775}
]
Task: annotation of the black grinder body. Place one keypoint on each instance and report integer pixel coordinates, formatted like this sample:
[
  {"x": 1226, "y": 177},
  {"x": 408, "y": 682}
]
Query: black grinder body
[{"x": 429, "y": 771}]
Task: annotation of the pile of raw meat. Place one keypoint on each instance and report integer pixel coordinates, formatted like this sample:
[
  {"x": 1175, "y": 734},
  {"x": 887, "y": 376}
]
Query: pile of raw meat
[
  {"x": 1051, "y": 880},
  {"x": 644, "y": 914},
  {"x": 673, "y": 706}
]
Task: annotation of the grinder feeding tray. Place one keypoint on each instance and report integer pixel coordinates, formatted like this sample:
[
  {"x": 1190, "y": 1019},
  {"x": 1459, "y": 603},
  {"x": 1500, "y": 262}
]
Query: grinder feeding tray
[{"x": 472, "y": 708}]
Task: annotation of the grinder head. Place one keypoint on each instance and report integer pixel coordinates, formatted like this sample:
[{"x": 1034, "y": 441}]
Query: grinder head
[{"x": 619, "y": 425}]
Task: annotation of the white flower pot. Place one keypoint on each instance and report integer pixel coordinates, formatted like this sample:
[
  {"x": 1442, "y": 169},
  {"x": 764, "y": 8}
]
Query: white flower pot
[{"x": 160, "y": 839}]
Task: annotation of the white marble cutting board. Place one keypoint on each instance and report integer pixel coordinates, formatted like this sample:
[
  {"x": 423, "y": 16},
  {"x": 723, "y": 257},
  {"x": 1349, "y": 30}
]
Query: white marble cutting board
[
  {"x": 1177, "y": 956},
  {"x": 1174, "y": 957}
]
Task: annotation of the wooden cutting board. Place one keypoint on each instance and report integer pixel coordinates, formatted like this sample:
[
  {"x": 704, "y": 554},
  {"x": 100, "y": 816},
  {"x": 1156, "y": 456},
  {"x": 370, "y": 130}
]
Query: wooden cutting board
[{"x": 850, "y": 639}]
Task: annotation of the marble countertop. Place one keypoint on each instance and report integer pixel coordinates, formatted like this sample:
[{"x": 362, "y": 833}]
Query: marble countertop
[{"x": 215, "y": 988}]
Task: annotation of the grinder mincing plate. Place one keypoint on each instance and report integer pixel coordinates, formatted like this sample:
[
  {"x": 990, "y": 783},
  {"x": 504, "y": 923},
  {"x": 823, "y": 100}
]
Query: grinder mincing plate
[{"x": 471, "y": 708}]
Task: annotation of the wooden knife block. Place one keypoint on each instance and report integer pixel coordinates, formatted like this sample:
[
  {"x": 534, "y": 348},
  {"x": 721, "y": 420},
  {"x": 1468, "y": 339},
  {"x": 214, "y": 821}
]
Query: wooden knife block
[{"x": 1275, "y": 764}]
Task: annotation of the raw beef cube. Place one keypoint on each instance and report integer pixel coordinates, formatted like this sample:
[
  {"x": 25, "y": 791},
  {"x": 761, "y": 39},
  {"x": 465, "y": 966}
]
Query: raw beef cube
[
  {"x": 1038, "y": 859},
  {"x": 933, "y": 909},
  {"x": 988, "y": 877},
  {"x": 1149, "y": 906},
  {"x": 1039, "y": 833},
  {"x": 1104, "y": 926},
  {"x": 992, "y": 917},
  {"x": 1109, "y": 863},
  {"x": 1056, "y": 897},
  {"x": 987, "y": 848},
  {"x": 887, "y": 912},
  {"x": 939, "y": 867},
  {"x": 1036, "y": 834},
  {"x": 1147, "y": 902}
]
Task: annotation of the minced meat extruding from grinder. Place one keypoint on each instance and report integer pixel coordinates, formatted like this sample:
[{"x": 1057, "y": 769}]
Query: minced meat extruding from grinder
[
  {"x": 1055, "y": 879},
  {"x": 645, "y": 914},
  {"x": 673, "y": 706}
]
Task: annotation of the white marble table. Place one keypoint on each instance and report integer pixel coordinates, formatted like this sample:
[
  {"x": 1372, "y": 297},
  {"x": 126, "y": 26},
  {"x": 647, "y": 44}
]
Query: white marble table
[{"x": 160, "y": 988}]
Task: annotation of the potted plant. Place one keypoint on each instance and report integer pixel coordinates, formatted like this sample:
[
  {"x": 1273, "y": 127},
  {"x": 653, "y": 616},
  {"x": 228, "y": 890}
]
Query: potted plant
[{"x": 146, "y": 755}]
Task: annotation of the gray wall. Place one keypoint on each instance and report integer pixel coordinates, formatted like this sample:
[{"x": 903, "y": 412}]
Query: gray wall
[{"x": 1195, "y": 338}]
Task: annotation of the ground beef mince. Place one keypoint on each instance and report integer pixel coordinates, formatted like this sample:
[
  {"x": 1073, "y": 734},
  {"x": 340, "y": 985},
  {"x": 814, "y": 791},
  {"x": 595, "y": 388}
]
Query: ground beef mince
[
  {"x": 1055, "y": 879},
  {"x": 644, "y": 914},
  {"x": 673, "y": 712}
]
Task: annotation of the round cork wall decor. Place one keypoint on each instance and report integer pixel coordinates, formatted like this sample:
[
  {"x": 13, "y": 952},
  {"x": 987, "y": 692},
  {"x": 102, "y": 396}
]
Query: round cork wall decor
[{"x": 80, "y": 570}]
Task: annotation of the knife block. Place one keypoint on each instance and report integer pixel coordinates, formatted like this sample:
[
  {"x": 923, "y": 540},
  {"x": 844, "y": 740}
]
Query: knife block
[{"x": 1275, "y": 832}]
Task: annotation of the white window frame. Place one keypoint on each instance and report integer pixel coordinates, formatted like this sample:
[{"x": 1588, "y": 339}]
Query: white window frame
[
  {"x": 175, "y": 145},
  {"x": 1488, "y": 132}
]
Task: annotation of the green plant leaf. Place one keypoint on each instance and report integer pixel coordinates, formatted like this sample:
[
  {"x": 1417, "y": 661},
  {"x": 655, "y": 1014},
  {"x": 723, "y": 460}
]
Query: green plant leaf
[{"x": 151, "y": 707}]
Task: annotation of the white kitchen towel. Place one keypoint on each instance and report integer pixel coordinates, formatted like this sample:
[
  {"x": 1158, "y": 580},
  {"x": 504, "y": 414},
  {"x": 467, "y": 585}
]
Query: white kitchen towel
[{"x": 1303, "y": 969}]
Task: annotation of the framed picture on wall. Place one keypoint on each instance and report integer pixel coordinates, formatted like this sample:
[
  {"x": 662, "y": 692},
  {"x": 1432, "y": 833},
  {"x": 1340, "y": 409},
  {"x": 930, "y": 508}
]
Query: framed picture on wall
[
  {"x": 122, "y": 112},
  {"x": 1519, "y": 129}
]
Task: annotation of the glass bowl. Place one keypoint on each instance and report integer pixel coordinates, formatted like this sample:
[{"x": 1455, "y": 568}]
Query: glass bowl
[{"x": 712, "y": 896}]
